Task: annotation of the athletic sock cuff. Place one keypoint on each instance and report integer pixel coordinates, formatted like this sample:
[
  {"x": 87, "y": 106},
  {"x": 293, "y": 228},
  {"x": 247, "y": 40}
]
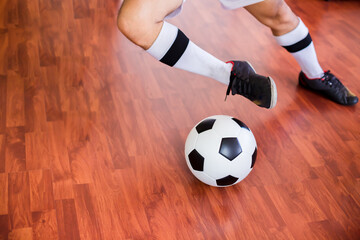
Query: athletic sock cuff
[
  {"x": 299, "y": 33},
  {"x": 170, "y": 45}
]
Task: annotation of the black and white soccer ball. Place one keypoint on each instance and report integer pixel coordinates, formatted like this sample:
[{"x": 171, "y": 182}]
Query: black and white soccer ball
[{"x": 220, "y": 151}]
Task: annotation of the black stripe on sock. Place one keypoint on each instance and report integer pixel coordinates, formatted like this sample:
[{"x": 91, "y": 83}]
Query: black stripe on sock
[
  {"x": 176, "y": 50},
  {"x": 299, "y": 45}
]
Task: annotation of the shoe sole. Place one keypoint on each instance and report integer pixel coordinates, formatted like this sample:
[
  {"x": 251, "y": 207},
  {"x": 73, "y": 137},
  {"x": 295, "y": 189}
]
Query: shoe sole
[
  {"x": 273, "y": 93},
  {"x": 273, "y": 89}
]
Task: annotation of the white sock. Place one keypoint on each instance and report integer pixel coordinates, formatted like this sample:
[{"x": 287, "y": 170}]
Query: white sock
[
  {"x": 299, "y": 43},
  {"x": 173, "y": 48}
]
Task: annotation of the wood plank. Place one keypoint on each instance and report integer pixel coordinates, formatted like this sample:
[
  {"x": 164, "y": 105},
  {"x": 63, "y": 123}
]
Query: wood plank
[
  {"x": 21, "y": 233},
  {"x": 15, "y": 35},
  {"x": 15, "y": 158},
  {"x": 4, "y": 44},
  {"x": 52, "y": 97},
  {"x": 28, "y": 13},
  {"x": 46, "y": 47},
  {"x": 3, "y": 90},
  {"x": 38, "y": 151},
  {"x": 4, "y": 194},
  {"x": 28, "y": 55},
  {"x": 35, "y": 114},
  {"x": 2, "y": 153},
  {"x": 3, "y": 18},
  {"x": 67, "y": 221},
  {"x": 12, "y": 12},
  {"x": 326, "y": 230},
  {"x": 113, "y": 130},
  {"x": 77, "y": 129},
  {"x": 82, "y": 160},
  {"x": 45, "y": 225},
  {"x": 15, "y": 113},
  {"x": 60, "y": 165},
  {"x": 71, "y": 88},
  {"x": 87, "y": 212},
  {"x": 5, "y": 226},
  {"x": 19, "y": 200},
  {"x": 41, "y": 190}
]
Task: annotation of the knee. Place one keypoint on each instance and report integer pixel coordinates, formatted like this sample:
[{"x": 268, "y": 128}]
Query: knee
[
  {"x": 130, "y": 19},
  {"x": 281, "y": 20},
  {"x": 139, "y": 22},
  {"x": 122, "y": 21}
]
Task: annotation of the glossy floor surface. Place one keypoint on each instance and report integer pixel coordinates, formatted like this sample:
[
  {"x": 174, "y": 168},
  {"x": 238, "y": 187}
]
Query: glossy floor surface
[{"x": 92, "y": 128}]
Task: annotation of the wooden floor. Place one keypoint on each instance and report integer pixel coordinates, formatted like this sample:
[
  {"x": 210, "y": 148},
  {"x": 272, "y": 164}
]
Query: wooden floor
[{"x": 92, "y": 129}]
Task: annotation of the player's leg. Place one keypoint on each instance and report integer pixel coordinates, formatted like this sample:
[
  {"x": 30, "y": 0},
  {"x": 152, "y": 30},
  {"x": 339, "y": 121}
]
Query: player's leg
[
  {"x": 142, "y": 21},
  {"x": 291, "y": 33},
  {"x": 288, "y": 30}
]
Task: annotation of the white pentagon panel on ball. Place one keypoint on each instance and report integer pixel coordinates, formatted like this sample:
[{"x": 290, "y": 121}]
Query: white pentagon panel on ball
[
  {"x": 247, "y": 140},
  {"x": 226, "y": 127},
  {"x": 241, "y": 166},
  {"x": 207, "y": 144},
  {"x": 218, "y": 167}
]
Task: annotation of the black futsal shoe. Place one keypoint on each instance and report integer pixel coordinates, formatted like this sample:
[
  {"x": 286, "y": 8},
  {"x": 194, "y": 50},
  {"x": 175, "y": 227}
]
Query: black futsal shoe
[
  {"x": 329, "y": 86},
  {"x": 244, "y": 81}
]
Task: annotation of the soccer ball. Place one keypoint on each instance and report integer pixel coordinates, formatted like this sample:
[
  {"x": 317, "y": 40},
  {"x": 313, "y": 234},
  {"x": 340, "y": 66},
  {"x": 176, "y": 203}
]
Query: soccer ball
[{"x": 220, "y": 151}]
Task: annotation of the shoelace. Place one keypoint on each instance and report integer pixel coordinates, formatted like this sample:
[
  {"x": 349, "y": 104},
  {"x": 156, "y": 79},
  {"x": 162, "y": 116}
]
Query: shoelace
[
  {"x": 229, "y": 87},
  {"x": 331, "y": 80},
  {"x": 243, "y": 87}
]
